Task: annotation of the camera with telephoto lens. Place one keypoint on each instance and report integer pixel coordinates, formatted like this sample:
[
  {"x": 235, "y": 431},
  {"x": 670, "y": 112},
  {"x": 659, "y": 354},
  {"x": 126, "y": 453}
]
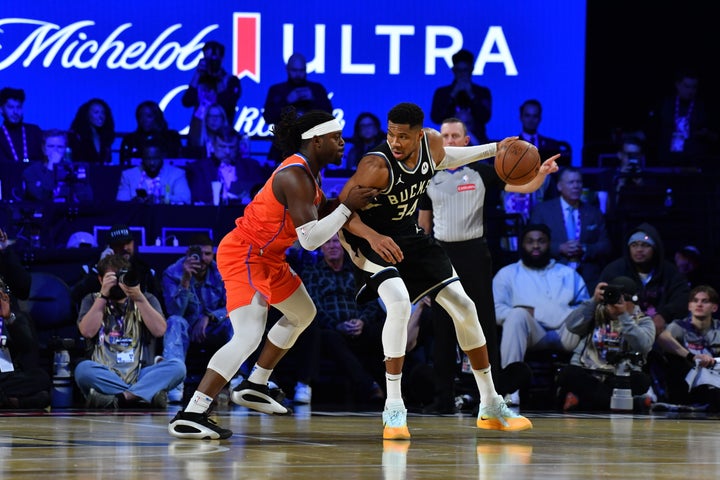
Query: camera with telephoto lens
[
  {"x": 195, "y": 253},
  {"x": 612, "y": 294},
  {"x": 128, "y": 277}
]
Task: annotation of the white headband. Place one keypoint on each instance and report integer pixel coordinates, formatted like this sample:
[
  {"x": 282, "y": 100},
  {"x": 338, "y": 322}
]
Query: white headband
[{"x": 322, "y": 129}]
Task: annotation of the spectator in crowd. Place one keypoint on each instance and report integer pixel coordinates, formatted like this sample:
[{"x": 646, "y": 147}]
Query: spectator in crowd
[
  {"x": 664, "y": 290},
  {"x": 55, "y": 179},
  {"x": 210, "y": 84},
  {"x": 464, "y": 99},
  {"x": 679, "y": 127},
  {"x": 154, "y": 181},
  {"x": 690, "y": 262},
  {"x": 297, "y": 91},
  {"x": 530, "y": 117},
  {"x": 615, "y": 338},
  {"x": 195, "y": 302},
  {"x": 453, "y": 210},
  {"x": 349, "y": 332},
  {"x": 21, "y": 141},
  {"x": 579, "y": 235},
  {"x": 24, "y": 384},
  {"x": 201, "y": 146},
  {"x": 152, "y": 128},
  {"x": 252, "y": 262},
  {"x": 120, "y": 242},
  {"x": 367, "y": 133},
  {"x": 120, "y": 324},
  {"x": 239, "y": 174},
  {"x": 691, "y": 347},
  {"x": 631, "y": 158},
  {"x": 533, "y": 297},
  {"x": 92, "y": 133}
]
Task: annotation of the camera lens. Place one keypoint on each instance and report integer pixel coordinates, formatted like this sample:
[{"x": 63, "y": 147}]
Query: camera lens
[{"x": 129, "y": 278}]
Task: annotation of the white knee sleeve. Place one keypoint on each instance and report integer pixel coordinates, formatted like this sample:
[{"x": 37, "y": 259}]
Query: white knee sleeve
[
  {"x": 298, "y": 311},
  {"x": 248, "y": 324},
  {"x": 395, "y": 296},
  {"x": 464, "y": 315}
]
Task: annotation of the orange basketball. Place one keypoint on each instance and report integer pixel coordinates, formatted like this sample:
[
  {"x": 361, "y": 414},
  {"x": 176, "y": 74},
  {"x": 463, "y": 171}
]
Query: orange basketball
[{"x": 517, "y": 163}]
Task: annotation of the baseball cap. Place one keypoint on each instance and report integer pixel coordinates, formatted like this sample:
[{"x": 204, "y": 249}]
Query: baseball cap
[{"x": 119, "y": 233}]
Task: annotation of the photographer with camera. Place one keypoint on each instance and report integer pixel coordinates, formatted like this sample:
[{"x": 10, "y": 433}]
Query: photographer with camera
[
  {"x": 120, "y": 324},
  {"x": 616, "y": 336},
  {"x": 196, "y": 304}
]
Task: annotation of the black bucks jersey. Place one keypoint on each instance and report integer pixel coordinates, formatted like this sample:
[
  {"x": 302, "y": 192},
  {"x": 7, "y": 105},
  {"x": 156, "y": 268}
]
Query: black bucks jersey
[{"x": 392, "y": 212}]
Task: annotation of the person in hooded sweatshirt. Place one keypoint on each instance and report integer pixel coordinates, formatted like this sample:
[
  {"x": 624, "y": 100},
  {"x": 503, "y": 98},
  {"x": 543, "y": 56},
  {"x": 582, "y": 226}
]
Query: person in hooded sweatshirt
[{"x": 664, "y": 289}]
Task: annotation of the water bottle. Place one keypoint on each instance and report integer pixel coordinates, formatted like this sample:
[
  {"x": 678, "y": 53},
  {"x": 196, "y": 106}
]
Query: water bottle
[
  {"x": 668, "y": 198},
  {"x": 68, "y": 155}
]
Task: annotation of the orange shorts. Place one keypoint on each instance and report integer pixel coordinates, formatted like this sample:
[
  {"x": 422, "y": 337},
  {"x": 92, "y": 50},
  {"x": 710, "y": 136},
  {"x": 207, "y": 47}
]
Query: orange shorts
[{"x": 245, "y": 273}]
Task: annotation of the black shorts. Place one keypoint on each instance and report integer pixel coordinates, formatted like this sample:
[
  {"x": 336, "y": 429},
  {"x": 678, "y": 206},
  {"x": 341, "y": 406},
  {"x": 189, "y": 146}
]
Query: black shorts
[{"x": 425, "y": 268}]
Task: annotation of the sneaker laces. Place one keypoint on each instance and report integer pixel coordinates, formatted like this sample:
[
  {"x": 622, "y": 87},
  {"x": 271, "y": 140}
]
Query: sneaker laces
[
  {"x": 501, "y": 411},
  {"x": 395, "y": 418}
]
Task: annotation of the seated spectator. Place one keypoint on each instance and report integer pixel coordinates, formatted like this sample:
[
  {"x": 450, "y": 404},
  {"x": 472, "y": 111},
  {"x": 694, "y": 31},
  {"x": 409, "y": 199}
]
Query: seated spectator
[
  {"x": 154, "y": 182},
  {"x": 239, "y": 174},
  {"x": 663, "y": 289},
  {"x": 691, "y": 347},
  {"x": 121, "y": 242},
  {"x": 631, "y": 162},
  {"x": 151, "y": 128},
  {"x": 195, "y": 300},
  {"x": 690, "y": 263},
  {"x": 367, "y": 134},
  {"x": 120, "y": 324},
  {"x": 200, "y": 142},
  {"x": 579, "y": 236},
  {"x": 24, "y": 384},
  {"x": 533, "y": 297},
  {"x": 349, "y": 333},
  {"x": 92, "y": 133},
  {"x": 55, "y": 179},
  {"x": 21, "y": 141},
  {"x": 615, "y": 338}
]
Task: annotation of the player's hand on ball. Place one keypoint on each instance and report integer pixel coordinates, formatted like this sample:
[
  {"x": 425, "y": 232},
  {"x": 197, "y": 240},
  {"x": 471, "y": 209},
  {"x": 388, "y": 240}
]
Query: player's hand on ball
[{"x": 505, "y": 142}]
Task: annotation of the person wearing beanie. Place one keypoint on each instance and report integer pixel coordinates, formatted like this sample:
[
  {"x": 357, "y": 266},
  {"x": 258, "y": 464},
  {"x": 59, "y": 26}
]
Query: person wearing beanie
[{"x": 663, "y": 289}]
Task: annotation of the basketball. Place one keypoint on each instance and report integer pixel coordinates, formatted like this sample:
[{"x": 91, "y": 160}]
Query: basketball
[{"x": 517, "y": 163}]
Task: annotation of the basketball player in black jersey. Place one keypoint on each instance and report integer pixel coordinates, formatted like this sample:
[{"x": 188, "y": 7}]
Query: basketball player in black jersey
[{"x": 398, "y": 262}]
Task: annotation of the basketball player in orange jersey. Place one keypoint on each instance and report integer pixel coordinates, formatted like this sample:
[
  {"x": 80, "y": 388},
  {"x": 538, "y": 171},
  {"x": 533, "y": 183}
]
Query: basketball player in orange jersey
[
  {"x": 401, "y": 263},
  {"x": 251, "y": 260}
]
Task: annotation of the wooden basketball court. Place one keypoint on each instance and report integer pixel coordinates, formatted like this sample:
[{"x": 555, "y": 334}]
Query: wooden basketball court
[{"x": 75, "y": 444}]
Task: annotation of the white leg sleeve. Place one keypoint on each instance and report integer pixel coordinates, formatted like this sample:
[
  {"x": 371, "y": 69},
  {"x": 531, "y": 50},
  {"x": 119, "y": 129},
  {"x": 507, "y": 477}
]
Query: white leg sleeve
[
  {"x": 464, "y": 315},
  {"x": 316, "y": 232},
  {"x": 298, "y": 311},
  {"x": 248, "y": 328},
  {"x": 396, "y": 298}
]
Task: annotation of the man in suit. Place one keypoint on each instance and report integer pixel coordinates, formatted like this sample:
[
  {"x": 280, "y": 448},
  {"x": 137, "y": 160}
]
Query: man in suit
[
  {"x": 579, "y": 236},
  {"x": 20, "y": 142},
  {"x": 530, "y": 117}
]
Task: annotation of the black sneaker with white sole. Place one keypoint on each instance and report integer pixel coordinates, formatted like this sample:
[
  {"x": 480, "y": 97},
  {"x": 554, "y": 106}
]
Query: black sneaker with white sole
[
  {"x": 198, "y": 426},
  {"x": 260, "y": 397}
]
